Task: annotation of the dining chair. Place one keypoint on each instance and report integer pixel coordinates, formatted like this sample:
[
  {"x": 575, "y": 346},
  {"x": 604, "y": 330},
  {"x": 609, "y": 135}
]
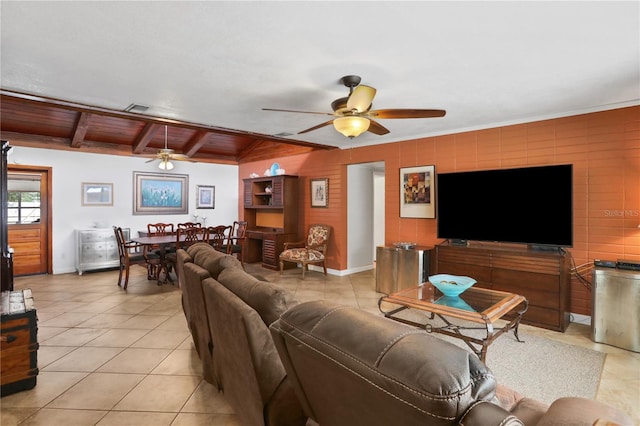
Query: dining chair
[
  {"x": 159, "y": 229},
  {"x": 237, "y": 240},
  {"x": 311, "y": 251},
  {"x": 218, "y": 237},
  {"x": 186, "y": 225},
  {"x": 185, "y": 237},
  {"x": 127, "y": 252}
]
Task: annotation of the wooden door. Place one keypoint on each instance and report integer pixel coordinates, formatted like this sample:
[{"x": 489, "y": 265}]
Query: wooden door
[{"x": 30, "y": 229}]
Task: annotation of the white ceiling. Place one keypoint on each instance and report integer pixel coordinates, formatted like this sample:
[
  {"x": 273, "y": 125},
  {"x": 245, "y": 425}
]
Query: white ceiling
[{"x": 219, "y": 62}]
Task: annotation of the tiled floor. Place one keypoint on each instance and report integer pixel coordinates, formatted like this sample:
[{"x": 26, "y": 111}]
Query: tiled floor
[{"x": 110, "y": 357}]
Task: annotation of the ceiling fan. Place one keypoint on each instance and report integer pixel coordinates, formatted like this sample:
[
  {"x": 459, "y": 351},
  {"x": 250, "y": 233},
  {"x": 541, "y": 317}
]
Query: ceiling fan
[
  {"x": 354, "y": 115},
  {"x": 165, "y": 154}
]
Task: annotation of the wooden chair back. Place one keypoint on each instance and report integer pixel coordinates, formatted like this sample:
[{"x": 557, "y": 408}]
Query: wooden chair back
[
  {"x": 186, "y": 225},
  {"x": 160, "y": 228},
  {"x": 218, "y": 237}
]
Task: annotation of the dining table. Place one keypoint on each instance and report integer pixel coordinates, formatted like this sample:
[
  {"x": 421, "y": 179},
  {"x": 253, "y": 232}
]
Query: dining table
[{"x": 162, "y": 242}]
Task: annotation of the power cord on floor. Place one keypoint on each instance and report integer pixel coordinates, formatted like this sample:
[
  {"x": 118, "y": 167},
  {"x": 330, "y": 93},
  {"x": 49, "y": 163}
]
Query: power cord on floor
[{"x": 578, "y": 271}]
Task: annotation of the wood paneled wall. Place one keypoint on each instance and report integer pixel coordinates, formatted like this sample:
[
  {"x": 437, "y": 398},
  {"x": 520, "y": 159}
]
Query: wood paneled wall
[{"x": 604, "y": 148}]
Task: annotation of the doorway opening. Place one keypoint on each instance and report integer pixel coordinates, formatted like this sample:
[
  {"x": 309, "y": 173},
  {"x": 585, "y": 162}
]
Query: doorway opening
[
  {"x": 29, "y": 219},
  {"x": 365, "y": 214}
]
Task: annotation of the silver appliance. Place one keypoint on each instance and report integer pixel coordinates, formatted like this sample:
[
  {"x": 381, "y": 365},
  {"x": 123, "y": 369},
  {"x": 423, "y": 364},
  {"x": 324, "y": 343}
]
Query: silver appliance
[
  {"x": 616, "y": 308},
  {"x": 400, "y": 267}
]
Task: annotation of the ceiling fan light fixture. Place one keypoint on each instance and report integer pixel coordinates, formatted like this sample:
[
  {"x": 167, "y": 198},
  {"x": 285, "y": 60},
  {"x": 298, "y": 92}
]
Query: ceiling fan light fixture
[
  {"x": 351, "y": 126},
  {"x": 165, "y": 165}
]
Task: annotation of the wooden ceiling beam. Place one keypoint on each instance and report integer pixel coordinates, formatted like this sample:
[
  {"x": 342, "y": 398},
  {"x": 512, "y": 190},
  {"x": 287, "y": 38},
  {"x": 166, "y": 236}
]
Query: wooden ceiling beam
[
  {"x": 145, "y": 137},
  {"x": 81, "y": 129},
  {"x": 195, "y": 143}
]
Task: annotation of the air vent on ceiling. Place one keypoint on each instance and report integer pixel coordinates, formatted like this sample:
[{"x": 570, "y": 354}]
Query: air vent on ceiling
[
  {"x": 283, "y": 134},
  {"x": 136, "y": 108}
]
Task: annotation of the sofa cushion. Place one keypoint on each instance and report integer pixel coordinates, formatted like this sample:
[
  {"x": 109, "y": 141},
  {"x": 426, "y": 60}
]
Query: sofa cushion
[
  {"x": 344, "y": 361},
  {"x": 211, "y": 259},
  {"x": 192, "y": 296},
  {"x": 248, "y": 364},
  {"x": 268, "y": 299},
  {"x": 581, "y": 411}
]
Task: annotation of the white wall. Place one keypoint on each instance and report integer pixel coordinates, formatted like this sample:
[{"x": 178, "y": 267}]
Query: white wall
[
  {"x": 70, "y": 169},
  {"x": 359, "y": 217}
]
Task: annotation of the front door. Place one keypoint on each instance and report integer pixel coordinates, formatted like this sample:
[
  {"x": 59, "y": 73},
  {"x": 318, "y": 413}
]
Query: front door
[{"x": 29, "y": 219}]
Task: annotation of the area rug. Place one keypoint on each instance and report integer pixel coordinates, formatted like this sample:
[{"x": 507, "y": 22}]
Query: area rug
[{"x": 542, "y": 368}]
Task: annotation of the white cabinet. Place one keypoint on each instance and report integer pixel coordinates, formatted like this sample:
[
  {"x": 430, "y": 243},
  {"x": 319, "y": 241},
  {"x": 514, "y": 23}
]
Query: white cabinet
[{"x": 97, "y": 249}]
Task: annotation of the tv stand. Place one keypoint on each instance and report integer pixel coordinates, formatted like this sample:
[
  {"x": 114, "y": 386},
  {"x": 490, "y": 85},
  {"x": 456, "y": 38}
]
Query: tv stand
[
  {"x": 541, "y": 276},
  {"x": 537, "y": 247}
]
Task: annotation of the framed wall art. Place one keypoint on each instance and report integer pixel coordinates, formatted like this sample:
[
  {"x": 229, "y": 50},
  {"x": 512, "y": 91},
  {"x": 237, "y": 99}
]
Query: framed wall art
[
  {"x": 97, "y": 194},
  {"x": 160, "y": 193},
  {"x": 206, "y": 197},
  {"x": 320, "y": 192},
  {"x": 417, "y": 192}
]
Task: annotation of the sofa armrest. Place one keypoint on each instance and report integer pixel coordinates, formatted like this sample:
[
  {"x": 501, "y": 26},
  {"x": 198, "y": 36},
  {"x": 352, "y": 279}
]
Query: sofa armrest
[
  {"x": 486, "y": 413},
  {"x": 579, "y": 411}
]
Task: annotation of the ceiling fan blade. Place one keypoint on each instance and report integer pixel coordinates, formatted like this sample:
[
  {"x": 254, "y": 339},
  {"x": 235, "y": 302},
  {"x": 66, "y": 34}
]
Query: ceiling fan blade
[
  {"x": 153, "y": 159},
  {"x": 179, "y": 157},
  {"x": 326, "y": 123},
  {"x": 300, "y": 112},
  {"x": 377, "y": 128},
  {"x": 361, "y": 98},
  {"x": 406, "y": 113}
]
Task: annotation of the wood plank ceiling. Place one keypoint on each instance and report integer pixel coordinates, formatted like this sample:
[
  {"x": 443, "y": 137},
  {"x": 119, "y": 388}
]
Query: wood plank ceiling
[{"x": 39, "y": 122}]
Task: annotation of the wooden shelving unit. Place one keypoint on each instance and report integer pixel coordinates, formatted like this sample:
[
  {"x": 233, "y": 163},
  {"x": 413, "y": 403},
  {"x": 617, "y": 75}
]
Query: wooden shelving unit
[{"x": 271, "y": 212}]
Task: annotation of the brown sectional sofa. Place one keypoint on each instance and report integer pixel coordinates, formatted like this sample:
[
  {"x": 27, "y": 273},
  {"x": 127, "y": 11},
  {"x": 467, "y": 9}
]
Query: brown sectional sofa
[
  {"x": 351, "y": 367},
  {"x": 280, "y": 363},
  {"x": 228, "y": 312}
]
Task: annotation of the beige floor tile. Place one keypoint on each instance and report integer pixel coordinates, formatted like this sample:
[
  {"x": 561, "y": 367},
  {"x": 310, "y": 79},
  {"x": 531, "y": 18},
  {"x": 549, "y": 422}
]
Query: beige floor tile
[
  {"x": 162, "y": 339},
  {"x": 129, "y": 308},
  {"x": 180, "y": 362},
  {"x": 176, "y": 322},
  {"x": 48, "y": 386},
  {"x": 191, "y": 419},
  {"x": 135, "y": 360},
  {"x": 96, "y": 307},
  {"x": 207, "y": 399},
  {"x": 145, "y": 322},
  {"x": 55, "y": 417},
  {"x": 159, "y": 393},
  {"x": 106, "y": 320},
  {"x": 86, "y": 359},
  {"x": 67, "y": 319},
  {"x": 132, "y": 418},
  {"x": 97, "y": 391},
  {"x": 45, "y": 333},
  {"x": 13, "y": 416},
  {"x": 118, "y": 338},
  {"x": 73, "y": 337},
  {"x": 49, "y": 354}
]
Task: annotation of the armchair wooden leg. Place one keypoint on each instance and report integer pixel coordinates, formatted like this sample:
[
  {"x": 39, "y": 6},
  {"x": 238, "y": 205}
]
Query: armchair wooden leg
[{"x": 281, "y": 266}]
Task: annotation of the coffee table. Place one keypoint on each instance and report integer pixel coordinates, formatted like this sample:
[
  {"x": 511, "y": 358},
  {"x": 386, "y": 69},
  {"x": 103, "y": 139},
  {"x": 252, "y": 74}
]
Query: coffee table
[{"x": 476, "y": 305}]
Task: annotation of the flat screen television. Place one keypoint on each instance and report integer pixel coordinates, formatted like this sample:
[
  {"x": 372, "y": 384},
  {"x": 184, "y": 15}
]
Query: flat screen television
[{"x": 530, "y": 205}]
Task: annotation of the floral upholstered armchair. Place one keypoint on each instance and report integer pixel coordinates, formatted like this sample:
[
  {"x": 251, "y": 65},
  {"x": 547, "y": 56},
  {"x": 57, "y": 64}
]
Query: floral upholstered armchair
[{"x": 311, "y": 251}]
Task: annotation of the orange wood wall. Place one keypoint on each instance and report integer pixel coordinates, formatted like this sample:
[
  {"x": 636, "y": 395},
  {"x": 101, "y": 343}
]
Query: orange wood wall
[{"x": 604, "y": 148}]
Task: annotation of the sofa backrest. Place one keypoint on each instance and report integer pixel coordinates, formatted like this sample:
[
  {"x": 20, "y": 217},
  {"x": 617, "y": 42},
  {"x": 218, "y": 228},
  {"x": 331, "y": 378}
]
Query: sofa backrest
[
  {"x": 268, "y": 300},
  {"x": 211, "y": 259},
  {"x": 247, "y": 362},
  {"x": 351, "y": 367}
]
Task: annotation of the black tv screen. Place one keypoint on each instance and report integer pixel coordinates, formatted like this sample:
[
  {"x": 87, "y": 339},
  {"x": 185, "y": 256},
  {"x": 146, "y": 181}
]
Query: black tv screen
[{"x": 531, "y": 205}]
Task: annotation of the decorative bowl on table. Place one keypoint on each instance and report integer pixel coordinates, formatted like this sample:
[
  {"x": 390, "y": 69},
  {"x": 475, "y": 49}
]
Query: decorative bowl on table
[
  {"x": 405, "y": 245},
  {"x": 451, "y": 285}
]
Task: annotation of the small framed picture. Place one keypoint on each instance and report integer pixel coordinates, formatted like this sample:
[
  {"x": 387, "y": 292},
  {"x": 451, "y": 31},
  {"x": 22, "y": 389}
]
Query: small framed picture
[
  {"x": 206, "y": 197},
  {"x": 97, "y": 194},
  {"x": 417, "y": 192},
  {"x": 320, "y": 192}
]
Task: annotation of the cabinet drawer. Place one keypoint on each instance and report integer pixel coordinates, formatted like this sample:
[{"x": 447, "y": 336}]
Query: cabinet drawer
[{"x": 17, "y": 334}]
